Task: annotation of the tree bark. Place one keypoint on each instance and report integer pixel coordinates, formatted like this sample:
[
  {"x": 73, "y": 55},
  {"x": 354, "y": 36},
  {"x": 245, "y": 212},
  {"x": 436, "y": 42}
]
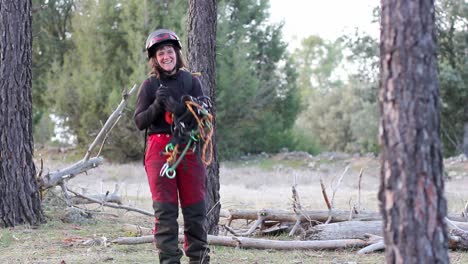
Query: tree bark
[
  {"x": 202, "y": 58},
  {"x": 19, "y": 195},
  {"x": 412, "y": 187}
]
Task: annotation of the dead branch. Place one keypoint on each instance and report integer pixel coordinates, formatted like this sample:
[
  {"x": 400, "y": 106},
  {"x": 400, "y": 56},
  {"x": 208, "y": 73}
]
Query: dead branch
[
  {"x": 55, "y": 178},
  {"x": 335, "y": 189},
  {"x": 297, "y": 208},
  {"x": 103, "y": 203},
  {"x": 465, "y": 211},
  {"x": 380, "y": 245},
  {"x": 324, "y": 193},
  {"x": 306, "y": 216},
  {"x": 52, "y": 179},
  {"x": 245, "y": 242},
  {"x": 344, "y": 230},
  {"x": 110, "y": 123},
  {"x": 137, "y": 230},
  {"x": 107, "y": 197},
  {"x": 359, "y": 191}
]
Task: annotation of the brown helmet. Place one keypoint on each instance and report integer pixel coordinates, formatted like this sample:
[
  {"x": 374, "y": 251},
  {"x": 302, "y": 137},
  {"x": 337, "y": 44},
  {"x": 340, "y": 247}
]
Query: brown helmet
[{"x": 159, "y": 37}]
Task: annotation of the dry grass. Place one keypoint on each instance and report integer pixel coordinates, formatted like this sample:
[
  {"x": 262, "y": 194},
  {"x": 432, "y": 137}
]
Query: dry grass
[{"x": 251, "y": 184}]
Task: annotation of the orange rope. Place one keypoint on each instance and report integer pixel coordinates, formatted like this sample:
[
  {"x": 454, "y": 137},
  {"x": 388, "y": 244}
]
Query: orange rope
[
  {"x": 172, "y": 155},
  {"x": 205, "y": 136}
]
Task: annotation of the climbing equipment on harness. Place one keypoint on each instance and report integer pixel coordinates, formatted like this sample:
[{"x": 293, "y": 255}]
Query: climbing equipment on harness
[{"x": 192, "y": 127}]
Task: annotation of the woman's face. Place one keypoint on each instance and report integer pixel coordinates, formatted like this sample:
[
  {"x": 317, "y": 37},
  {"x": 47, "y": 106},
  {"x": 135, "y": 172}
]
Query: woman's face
[{"x": 166, "y": 57}]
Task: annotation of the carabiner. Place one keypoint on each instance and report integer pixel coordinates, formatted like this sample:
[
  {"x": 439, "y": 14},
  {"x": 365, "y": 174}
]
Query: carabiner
[
  {"x": 170, "y": 173},
  {"x": 163, "y": 170},
  {"x": 169, "y": 147}
]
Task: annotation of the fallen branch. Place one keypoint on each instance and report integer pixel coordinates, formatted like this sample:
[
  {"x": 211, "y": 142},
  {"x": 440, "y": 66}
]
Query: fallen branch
[
  {"x": 55, "y": 178},
  {"x": 306, "y": 216},
  {"x": 380, "y": 245},
  {"x": 107, "y": 197},
  {"x": 137, "y": 230},
  {"x": 309, "y": 216},
  {"x": 103, "y": 203},
  {"x": 345, "y": 230},
  {"x": 245, "y": 242}
]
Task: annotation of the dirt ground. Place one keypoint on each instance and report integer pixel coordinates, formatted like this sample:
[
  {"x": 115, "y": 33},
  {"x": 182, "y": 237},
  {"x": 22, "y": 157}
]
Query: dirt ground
[{"x": 253, "y": 182}]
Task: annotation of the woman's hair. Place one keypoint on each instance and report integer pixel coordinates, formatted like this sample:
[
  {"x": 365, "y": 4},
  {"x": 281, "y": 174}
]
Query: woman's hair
[{"x": 153, "y": 62}]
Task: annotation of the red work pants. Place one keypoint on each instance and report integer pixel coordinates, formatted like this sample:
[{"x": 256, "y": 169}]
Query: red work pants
[{"x": 189, "y": 187}]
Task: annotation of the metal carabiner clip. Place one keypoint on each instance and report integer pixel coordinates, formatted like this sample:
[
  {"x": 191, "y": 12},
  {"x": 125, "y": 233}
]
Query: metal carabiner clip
[
  {"x": 169, "y": 147},
  {"x": 170, "y": 173},
  {"x": 163, "y": 170}
]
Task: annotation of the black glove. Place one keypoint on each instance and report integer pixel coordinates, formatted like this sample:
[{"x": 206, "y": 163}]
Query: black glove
[
  {"x": 162, "y": 94},
  {"x": 175, "y": 107}
]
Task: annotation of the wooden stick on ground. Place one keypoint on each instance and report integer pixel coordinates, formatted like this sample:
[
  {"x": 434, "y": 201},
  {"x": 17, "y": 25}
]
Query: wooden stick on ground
[
  {"x": 128, "y": 208},
  {"x": 245, "y": 242},
  {"x": 109, "y": 197}
]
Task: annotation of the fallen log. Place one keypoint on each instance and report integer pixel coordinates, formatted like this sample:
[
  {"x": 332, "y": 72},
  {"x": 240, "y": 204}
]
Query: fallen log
[
  {"x": 306, "y": 216},
  {"x": 245, "y": 242},
  {"x": 311, "y": 216},
  {"x": 358, "y": 229},
  {"x": 344, "y": 230}
]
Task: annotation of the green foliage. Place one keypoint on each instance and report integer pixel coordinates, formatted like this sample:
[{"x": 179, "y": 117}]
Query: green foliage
[
  {"x": 453, "y": 75},
  {"x": 51, "y": 23},
  {"x": 318, "y": 61},
  {"x": 341, "y": 120},
  {"x": 256, "y": 99}
]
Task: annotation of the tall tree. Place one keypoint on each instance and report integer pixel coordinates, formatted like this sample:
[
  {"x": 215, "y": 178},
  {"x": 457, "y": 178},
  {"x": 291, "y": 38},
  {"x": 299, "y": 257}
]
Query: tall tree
[
  {"x": 19, "y": 195},
  {"x": 201, "y": 46},
  {"x": 256, "y": 88},
  {"x": 412, "y": 189},
  {"x": 452, "y": 22}
]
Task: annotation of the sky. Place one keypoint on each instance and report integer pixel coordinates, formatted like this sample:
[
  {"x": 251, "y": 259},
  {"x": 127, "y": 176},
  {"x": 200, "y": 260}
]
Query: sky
[{"x": 327, "y": 18}]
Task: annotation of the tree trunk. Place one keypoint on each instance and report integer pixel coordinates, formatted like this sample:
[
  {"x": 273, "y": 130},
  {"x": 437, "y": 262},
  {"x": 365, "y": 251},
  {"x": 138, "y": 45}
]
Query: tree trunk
[
  {"x": 202, "y": 58},
  {"x": 412, "y": 187},
  {"x": 19, "y": 196}
]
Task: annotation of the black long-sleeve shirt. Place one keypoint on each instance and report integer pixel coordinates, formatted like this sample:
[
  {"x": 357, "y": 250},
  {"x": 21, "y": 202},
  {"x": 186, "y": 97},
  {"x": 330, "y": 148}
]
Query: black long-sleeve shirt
[{"x": 148, "y": 113}]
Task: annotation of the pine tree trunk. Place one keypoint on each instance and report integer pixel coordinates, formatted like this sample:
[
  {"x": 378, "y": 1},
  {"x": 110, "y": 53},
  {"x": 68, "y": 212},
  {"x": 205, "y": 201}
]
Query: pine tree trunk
[
  {"x": 412, "y": 187},
  {"x": 19, "y": 195},
  {"x": 202, "y": 58}
]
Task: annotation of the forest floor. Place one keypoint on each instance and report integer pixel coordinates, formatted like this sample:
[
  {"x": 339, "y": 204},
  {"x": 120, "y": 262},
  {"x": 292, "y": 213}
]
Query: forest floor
[{"x": 253, "y": 182}]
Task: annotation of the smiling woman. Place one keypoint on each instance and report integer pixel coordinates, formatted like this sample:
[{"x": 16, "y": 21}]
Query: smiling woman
[{"x": 327, "y": 19}]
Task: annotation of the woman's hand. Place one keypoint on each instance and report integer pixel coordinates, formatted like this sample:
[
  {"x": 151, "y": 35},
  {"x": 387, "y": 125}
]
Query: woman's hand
[{"x": 175, "y": 107}]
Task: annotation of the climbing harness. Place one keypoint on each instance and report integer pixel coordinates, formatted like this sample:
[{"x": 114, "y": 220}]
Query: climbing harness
[{"x": 192, "y": 127}]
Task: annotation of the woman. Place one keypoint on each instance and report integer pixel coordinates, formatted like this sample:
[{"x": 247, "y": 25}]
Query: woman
[{"x": 158, "y": 97}]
